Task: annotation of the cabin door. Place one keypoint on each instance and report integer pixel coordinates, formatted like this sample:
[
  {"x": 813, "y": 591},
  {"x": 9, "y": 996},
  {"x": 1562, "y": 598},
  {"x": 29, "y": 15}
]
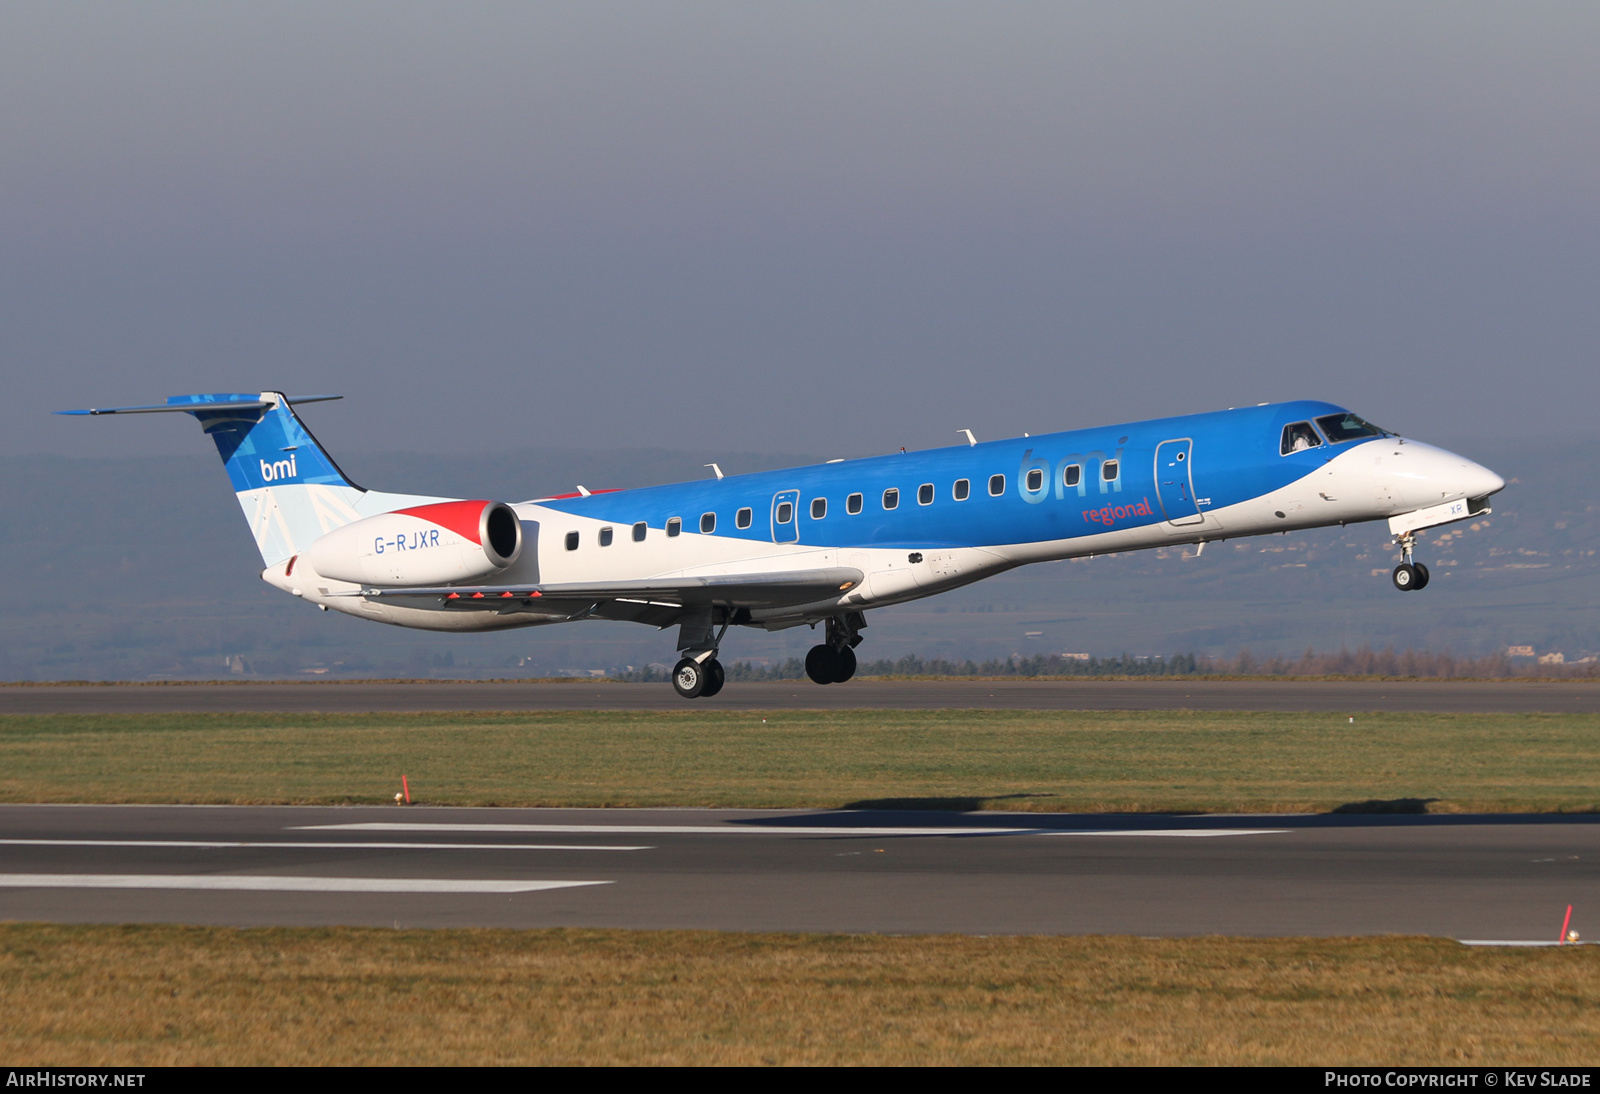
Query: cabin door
[
  {"x": 1175, "y": 482},
  {"x": 786, "y": 516}
]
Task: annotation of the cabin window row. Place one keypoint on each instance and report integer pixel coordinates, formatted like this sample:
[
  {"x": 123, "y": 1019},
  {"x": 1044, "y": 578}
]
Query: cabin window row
[
  {"x": 961, "y": 490},
  {"x": 639, "y": 530}
]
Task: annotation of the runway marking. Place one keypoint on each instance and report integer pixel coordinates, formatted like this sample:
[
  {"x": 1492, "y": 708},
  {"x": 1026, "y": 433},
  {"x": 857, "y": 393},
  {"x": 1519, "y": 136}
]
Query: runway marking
[
  {"x": 310, "y": 845},
  {"x": 280, "y": 884},
  {"x": 1168, "y": 833},
  {"x": 820, "y": 830}
]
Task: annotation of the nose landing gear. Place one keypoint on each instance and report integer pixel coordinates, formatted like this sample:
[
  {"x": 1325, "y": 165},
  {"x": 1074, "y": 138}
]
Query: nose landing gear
[{"x": 1409, "y": 576}]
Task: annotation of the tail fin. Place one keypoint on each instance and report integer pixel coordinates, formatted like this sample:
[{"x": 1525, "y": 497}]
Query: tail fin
[{"x": 291, "y": 491}]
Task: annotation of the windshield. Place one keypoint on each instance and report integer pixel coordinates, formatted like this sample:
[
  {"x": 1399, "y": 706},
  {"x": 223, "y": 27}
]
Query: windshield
[{"x": 1348, "y": 427}]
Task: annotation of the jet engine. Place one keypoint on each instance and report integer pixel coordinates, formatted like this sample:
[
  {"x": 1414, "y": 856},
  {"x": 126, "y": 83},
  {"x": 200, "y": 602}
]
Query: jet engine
[{"x": 425, "y": 545}]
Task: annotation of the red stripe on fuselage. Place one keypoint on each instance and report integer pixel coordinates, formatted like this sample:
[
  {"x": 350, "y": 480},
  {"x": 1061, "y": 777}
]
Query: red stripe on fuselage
[{"x": 461, "y": 517}]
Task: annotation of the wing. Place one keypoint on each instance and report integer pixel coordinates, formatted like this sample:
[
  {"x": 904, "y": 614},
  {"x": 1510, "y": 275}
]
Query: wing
[{"x": 658, "y": 601}]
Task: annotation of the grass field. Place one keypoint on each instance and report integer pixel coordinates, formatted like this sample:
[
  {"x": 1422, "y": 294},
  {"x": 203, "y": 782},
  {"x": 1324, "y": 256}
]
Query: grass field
[
  {"x": 1055, "y": 761},
  {"x": 155, "y": 995}
]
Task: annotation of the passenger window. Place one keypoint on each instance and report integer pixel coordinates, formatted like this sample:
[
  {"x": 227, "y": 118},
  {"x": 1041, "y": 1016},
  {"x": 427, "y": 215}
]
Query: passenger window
[
  {"x": 638, "y": 531},
  {"x": 997, "y": 485},
  {"x": 1108, "y": 471},
  {"x": 819, "y": 508},
  {"x": 741, "y": 519},
  {"x": 925, "y": 494},
  {"x": 852, "y": 504},
  {"x": 1035, "y": 480},
  {"x": 785, "y": 512},
  {"x": 891, "y": 498},
  {"x": 1072, "y": 476},
  {"x": 708, "y": 523},
  {"x": 605, "y": 537},
  {"x": 572, "y": 541},
  {"x": 674, "y": 526},
  {"x": 962, "y": 489},
  {"x": 1298, "y": 438}
]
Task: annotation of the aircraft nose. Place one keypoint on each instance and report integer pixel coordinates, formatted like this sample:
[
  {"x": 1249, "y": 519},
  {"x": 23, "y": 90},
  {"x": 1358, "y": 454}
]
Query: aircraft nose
[
  {"x": 1479, "y": 481},
  {"x": 1431, "y": 474}
]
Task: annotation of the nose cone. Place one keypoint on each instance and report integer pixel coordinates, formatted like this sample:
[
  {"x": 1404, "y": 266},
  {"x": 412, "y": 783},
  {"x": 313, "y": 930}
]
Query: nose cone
[
  {"x": 1425, "y": 475},
  {"x": 1458, "y": 477},
  {"x": 1480, "y": 481}
]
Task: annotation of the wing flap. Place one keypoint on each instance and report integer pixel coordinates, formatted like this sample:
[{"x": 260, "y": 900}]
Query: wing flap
[{"x": 765, "y": 590}]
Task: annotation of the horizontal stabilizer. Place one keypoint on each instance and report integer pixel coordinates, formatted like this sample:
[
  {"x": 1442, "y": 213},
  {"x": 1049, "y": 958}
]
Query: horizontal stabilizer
[
  {"x": 288, "y": 487},
  {"x": 236, "y": 402}
]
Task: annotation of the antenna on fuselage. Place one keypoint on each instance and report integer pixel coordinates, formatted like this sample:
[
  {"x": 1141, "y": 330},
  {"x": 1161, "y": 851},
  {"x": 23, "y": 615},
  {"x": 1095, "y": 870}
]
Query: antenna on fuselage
[
  {"x": 584, "y": 490},
  {"x": 715, "y": 468},
  {"x": 971, "y": 440}
]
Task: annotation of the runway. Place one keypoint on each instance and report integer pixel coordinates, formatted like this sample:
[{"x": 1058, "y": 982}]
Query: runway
[
  {"x": 1514, "y": 696},
  {"x": 1470, "y": 877}
]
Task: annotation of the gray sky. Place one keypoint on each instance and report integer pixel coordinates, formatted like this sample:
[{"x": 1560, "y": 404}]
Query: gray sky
[{"x": 801, "y": 227}]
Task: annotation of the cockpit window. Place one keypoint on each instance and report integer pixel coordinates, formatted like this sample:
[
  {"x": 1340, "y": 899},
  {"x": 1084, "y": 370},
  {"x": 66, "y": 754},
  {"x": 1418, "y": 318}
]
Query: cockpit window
[
  {"x": 1299, "y": 437},
  {"x": 1348, "y": 427}
]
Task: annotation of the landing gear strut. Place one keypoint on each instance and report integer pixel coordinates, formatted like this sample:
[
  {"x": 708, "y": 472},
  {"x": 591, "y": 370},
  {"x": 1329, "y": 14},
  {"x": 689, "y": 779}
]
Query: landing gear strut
[
  {"x": 834, "y": 661},
  {"x": 699, "y": 674},
  {"x": 1409, "y": 576}
]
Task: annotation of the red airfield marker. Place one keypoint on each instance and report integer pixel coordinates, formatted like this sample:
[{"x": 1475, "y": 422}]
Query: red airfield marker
[
  {"x": 1564, "y": 924},
  {"x": 404, "y": 786}
]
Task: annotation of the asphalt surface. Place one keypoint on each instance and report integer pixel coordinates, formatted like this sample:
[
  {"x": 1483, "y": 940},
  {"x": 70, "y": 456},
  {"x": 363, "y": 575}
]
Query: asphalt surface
[
  {"x": 1504, "y": 878},
  {"x": 1517, "y": 697}
]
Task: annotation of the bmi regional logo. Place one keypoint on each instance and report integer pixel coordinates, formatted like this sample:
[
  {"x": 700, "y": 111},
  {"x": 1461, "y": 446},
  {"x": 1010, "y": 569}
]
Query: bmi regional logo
[{"x": 279, "y": 469}]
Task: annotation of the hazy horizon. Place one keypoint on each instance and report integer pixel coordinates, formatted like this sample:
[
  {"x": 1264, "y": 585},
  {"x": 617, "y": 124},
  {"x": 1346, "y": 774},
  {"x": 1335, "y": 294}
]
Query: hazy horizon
[{"x": 807, "y": 227}]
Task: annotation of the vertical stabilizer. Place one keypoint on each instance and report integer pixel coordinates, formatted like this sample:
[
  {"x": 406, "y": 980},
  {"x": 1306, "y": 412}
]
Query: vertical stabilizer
[{"x": 290, "y": 490}]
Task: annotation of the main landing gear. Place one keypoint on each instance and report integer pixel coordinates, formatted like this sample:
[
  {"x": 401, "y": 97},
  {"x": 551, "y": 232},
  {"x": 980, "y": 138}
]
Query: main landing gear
[
  {"x": 834, "y": 661},
  {"x": 697, "y": 679},
  {"x": 1409, "y": 576},
  {"x": 826, "y": 665},
  {"x": 699, "y": 674}
]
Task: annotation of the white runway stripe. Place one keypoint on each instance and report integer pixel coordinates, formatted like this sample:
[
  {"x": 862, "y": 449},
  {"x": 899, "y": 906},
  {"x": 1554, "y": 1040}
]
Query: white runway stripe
[
  {"x": 278, "y": 884},
  {"x": 318, "y": 846},
  {"x": 1165, "y": 833},
  {"x": 728, "y": 829}
]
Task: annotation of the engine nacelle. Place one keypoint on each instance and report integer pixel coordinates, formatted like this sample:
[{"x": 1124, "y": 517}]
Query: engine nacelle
[{"x": 434, "y": 544}]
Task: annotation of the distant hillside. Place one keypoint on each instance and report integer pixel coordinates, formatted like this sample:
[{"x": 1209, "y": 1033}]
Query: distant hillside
[{"x": 140, "y": 568}]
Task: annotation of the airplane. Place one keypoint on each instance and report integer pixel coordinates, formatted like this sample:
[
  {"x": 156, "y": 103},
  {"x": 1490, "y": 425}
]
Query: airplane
[{"x": 814, "y": 545}]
